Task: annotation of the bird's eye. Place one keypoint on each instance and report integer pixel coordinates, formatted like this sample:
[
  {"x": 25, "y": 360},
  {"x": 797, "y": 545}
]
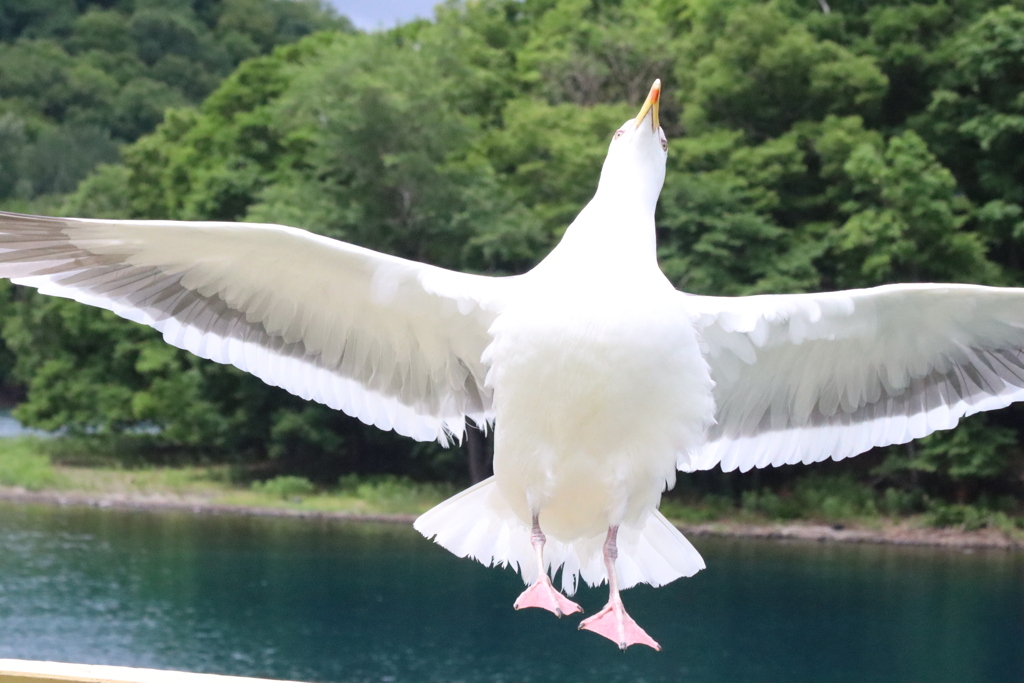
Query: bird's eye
[
  {"x": 618, "y": 134},
  {"x": 664, "y": 145}
]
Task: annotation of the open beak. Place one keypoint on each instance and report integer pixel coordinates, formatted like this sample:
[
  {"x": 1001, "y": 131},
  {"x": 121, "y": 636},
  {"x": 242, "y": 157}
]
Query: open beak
[{"x": 651, "y": 104}]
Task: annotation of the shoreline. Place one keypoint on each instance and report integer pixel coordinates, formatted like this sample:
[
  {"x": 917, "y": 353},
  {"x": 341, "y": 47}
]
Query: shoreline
[
  {"x": 143, "y": 503},
  {"x": 900, "y": 533}
]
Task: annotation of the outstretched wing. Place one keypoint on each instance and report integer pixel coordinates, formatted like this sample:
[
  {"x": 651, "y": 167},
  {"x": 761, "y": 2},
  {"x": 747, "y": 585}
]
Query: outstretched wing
[
  {"x": 804, "y": 377},
  {"x": 392, "y": 342}
]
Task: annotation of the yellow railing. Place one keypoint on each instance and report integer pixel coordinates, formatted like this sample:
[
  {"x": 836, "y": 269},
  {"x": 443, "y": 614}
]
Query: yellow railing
[{"x": 26, "y": 671}]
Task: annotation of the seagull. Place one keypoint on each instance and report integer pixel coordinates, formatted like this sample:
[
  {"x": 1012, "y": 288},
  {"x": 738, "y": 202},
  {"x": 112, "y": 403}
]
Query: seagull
[{"x": 600, "y": 379}]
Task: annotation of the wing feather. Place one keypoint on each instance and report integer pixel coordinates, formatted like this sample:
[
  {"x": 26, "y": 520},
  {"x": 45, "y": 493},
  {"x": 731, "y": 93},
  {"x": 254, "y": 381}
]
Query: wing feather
[
  {"x": 392, "y": 342},
  {"x": 806, "y": 377}
]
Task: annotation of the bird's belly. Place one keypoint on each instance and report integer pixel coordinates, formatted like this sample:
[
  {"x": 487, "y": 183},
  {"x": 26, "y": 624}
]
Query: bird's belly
[{"x": 592, "y": 409}]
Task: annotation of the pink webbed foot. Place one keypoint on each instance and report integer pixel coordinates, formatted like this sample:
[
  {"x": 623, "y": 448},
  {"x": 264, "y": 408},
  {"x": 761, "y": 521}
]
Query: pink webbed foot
[
  {"x": 542, "y": 594},
  {"x": 613, "y": 623}
]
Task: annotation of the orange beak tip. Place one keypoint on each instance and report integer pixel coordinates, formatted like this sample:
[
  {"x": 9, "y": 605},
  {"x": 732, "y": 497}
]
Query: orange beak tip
[{"x": 651, "y": 103}]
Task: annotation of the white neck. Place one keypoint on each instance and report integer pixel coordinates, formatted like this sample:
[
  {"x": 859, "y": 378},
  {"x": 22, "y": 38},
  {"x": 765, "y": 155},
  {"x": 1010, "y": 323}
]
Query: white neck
[
  {"x": 616, "y": 229},
  {"x": 636, "y": 184},
  {"x": 615, "y": 232}
]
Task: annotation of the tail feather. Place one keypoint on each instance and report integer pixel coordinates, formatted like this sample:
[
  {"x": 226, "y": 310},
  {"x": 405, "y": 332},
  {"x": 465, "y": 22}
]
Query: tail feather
[
  {"x": 479, "y": 523},
  {"x": 659, "y": 555}
]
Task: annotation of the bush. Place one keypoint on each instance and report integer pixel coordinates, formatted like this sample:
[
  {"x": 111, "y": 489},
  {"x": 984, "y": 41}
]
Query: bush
[
  {"x": 770, "y": 504},
  {"x": 23, "y": 464},
  {"x": 971, "y": 518},
  {"x": 284, "y": 487},
  {"x": 118, "y": 451},
  {"x": 827, "y": 498},
  {"x": 709, "y": 508},
  {"x": 897, "y": 502},
  {"x": 967, "y": 516},
  {"x": 396, "y": 494}
]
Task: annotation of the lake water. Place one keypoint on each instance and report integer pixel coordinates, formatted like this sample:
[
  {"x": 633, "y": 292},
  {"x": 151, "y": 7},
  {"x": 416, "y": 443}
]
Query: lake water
[{"x": 327, "y": 601}]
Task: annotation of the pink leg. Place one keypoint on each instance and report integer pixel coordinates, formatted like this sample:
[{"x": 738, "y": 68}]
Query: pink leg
[
  {"x": 612, "y": 622},
  {"x": 542, "y": 594}
]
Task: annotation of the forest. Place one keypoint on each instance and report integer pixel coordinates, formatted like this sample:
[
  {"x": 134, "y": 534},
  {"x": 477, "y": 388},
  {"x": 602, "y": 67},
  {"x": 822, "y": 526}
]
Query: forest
[{"x": 812, "y": 147}]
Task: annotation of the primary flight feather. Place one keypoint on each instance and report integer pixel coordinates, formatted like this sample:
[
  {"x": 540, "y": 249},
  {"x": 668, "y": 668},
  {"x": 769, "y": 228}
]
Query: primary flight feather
[{"x": 600, "y": 378}]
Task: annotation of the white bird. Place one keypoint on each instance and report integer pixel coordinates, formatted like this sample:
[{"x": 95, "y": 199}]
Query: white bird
[{"x": 600, "y": 378}]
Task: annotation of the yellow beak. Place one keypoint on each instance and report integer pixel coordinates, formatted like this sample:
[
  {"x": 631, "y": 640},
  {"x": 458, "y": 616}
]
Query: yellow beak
[{"x": 651, "y": 103}]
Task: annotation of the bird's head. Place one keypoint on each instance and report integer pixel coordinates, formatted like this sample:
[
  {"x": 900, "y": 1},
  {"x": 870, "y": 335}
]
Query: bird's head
[{"x": 635, "y": 165}]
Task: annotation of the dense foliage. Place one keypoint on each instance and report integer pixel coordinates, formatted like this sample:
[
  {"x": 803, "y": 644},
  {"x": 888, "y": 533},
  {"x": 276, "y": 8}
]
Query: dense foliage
[
  {"x": 80, "y": 77},
  {"x": 809, "y": 150}
]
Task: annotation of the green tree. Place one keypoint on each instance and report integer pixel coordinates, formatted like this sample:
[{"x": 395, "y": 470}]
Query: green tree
[
  {"x": 760, "y": 70},
  {"x": 905, "y": 220},
  {"x": 975, "y": 121},
  {"x": 808, "y": 151},
  {"x": 116, "y": 67}
]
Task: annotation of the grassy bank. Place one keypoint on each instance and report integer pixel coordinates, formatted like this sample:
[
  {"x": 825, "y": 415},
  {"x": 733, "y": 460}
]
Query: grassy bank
[
  {"x": 25, "y": 463},
  {"x": 842, "y": 500},
  {"x": 837, "y": 501}
]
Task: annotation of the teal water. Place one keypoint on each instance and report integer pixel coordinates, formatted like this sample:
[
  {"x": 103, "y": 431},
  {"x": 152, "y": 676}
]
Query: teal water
[{"x": 327, "y": 601}]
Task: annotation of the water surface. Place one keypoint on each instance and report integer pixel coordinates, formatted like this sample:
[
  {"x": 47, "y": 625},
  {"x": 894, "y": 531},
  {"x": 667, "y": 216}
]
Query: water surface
[{"x": 327, "y": 601}]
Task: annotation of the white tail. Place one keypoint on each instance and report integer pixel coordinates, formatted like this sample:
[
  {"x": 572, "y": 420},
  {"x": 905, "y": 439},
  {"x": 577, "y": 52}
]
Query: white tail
[{"x": 479, "y": 523}]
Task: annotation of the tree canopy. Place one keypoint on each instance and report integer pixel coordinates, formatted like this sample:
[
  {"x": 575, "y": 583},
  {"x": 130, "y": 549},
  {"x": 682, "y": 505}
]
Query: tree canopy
[
  {"x": 809, "y": 150},
  {"x": 78, "y": 78}
]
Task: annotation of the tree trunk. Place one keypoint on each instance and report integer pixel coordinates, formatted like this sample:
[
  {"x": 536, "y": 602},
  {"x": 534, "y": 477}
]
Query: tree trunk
[{"x": 478, "y": 445}]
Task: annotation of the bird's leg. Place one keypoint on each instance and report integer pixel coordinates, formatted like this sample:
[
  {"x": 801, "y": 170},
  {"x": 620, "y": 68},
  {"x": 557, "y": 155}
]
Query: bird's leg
[
  {"x": 612, "y": 622},
  {"x": 542, "y": 594}
]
